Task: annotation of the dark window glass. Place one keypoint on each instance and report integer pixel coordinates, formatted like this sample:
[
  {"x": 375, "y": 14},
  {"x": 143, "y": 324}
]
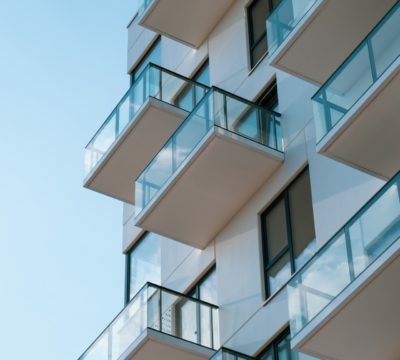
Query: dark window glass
[
  {"x": 280, "y": 349},
  {"x": 257, "y": 14},
  {"x": 269, "y": 100},
  {"x": 288, "y": 233},
  {"x": 152, "y": 56}
]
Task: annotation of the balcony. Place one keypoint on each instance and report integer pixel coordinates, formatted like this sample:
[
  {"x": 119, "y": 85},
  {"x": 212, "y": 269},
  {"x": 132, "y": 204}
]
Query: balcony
[
  {"x": 189, "y": 22},
  {"x": 159, "y": 324},
  {"x": 226, "y": 354},
  {"x": 144, "y": 119},
  {"x": 311, "y": 38},
  {"x": 220, "y": 155},
  {"x": 356, "y": 110},
  {"x": 344, "y": 304}
]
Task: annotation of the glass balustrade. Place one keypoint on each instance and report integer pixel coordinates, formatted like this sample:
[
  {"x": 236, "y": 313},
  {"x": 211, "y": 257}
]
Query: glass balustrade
[
  {"x": 368, "y": 62},
  {"x": 284, "y": 19},
  {"x": 216, "y": 109},
  {"x": 154, "y": 82},
  {"x": 339, "y": 262},
  {"x": 159, "y": 309}
]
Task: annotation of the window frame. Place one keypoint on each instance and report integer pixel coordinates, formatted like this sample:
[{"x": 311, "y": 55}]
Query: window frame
[
  {"x": 253, "y": 43},
  {"x": 274, "y": 344},
  {"x": 268, "y": 264}
]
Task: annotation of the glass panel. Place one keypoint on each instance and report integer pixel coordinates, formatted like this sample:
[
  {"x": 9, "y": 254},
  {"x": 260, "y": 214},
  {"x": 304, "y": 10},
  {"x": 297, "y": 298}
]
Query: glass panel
[
  {"x": 284, "y": 19},
  {"x": 188, "y": 321},
  {"x": 216, "y": 108},
  {"x": 373, "y": 230},
  {"x": 268, "y": 355},
  {"x": 385, "y": 42},
  {"x": 152, "y": 81},
  {"x": 302, "y": 220},
  {"x": 145, "y": 262},
  {"x": 159, "y": 309},
  {"x": 279, "y": 274},
  {"x": 284, "y": 350},
  {"x": 152, "y": 56},
  {"x": 276, "y": 230},
  {"x": 99, "y": 350},
  {"x": 208, "y": 288},
  {"x": 358, "y": 73}
]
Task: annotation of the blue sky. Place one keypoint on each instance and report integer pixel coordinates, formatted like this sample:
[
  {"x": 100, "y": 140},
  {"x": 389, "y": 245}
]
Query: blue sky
[{"x": 62, "y": 70}]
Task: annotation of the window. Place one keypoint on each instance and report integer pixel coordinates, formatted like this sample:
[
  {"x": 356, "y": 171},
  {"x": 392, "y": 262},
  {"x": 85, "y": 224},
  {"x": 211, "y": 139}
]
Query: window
[
  {"x": 279, "y": 349},
  {"x": 269, "y": 100},
  {"x": 152, "y": 56},
  {"x": 187, "y": 98},
  {"x": 198, "y": 328},
  {"x": 257, "y": 14},
  {"x": 143, "y": 264},
  {"x": 288, "y": 233}
]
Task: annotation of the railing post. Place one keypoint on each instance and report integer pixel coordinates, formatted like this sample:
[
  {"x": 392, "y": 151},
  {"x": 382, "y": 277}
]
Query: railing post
[{"x": 371, "y": 60}]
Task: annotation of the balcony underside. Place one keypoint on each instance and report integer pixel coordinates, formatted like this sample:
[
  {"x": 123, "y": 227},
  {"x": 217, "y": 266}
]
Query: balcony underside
[
  {"x": 326, "y": 36},
  {"x": 189, "y": 21},
  {"x": 363, "y": 321},
  {"x": 139, "y": 142},
  {"x": 156, "y": 345},
  {"x": 367, "y": 137},
  {"x": 209, "y": 188}
]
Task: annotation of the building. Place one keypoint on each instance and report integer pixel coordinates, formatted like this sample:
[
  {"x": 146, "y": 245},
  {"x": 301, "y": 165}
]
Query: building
[{"x": 256, "y": 154}]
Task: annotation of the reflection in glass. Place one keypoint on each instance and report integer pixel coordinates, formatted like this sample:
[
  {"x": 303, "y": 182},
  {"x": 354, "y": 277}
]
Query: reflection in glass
[
  {"x": 152, "y": 81},
  {"x": 362, "y": 240},
  {"x": 358, "y": 73},
  {"x": 155, "y": 308}
]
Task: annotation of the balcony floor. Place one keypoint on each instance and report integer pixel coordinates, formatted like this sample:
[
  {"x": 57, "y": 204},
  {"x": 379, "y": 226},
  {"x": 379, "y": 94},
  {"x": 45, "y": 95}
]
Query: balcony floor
[
  {"x": 143, "y": 137},
  {"x": 326, "y": 36},
  {"x": 212, "y": 184},
  {"x": 367, "y": 137},
  {"x": 189, "y": 21},
  {"x": 153, "y": 345},
  {"x": 363, "y": 321}
]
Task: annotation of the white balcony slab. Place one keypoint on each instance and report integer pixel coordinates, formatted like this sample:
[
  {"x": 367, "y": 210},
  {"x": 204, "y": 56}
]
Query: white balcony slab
[
  {"x": 139, "y": 142},
  {"x": 367, "y": 137},
  {"x": 187, "y": 21},
  {"x": 362, "y": 322},
  {"x": 326, "y": 35},
  {"x": 153, "y": 344},
  {"x": 209, "y": 187}
]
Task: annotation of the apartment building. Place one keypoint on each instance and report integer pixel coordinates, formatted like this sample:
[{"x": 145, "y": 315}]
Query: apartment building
[{"x": 256, "y": 156}]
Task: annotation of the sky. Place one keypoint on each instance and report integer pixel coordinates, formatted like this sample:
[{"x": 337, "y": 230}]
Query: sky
[{"x": 62, "y": 71}]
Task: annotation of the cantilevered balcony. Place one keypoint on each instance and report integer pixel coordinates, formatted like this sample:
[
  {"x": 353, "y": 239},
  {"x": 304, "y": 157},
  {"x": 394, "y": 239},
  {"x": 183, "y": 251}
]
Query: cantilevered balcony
[
  {"x": 227, "y": 354},
  {"x": 311, "y": 38},
  {"x": 159, "y": 324},
  {"x": 220, "y": 155},
  {"x": 187, "y": 21},
  {"x": 141, "y": 123},
  {"x": 357, "y": 109},
  {"x": 344, "y": 304}
]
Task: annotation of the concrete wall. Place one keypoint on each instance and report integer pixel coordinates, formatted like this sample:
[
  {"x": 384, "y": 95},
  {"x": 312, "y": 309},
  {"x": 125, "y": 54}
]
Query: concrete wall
[{"x": 248, "y": 323}]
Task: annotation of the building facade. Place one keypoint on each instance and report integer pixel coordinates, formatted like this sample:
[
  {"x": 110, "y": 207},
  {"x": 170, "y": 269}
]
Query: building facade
[{"x": 256, "y": 155}]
